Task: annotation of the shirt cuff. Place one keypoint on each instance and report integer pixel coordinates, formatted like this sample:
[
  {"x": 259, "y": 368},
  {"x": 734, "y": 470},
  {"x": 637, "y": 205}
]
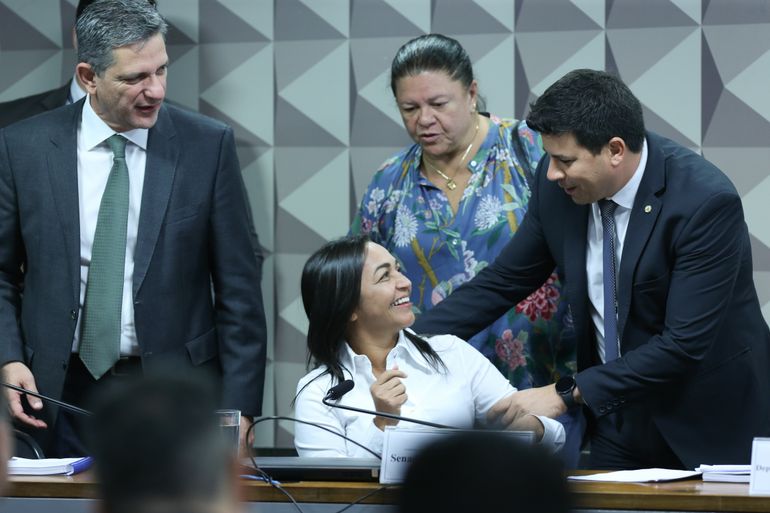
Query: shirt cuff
[{"x": 553, "y": 433}]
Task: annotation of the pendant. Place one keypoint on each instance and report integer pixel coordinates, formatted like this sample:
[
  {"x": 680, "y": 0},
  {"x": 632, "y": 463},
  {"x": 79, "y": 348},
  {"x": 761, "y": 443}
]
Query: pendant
[{"x": 451, "y": 185}]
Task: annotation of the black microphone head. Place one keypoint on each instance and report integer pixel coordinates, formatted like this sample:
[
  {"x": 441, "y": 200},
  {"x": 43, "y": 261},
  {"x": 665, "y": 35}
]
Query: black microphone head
[{"x": 336, "y": 392}]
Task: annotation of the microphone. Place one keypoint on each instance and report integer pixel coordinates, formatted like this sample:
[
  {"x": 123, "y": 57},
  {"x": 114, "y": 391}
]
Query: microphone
[
  {"x": 62, "y": 404},
  {"x": 307, "y": 423},
  {"x": 336, "y": 392}
]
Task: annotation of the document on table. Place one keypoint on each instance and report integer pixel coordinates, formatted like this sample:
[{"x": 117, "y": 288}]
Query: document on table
[
  {"x": 47, "y": 466},
  {"x": 726, "y": 473},
  {"x": 645, "y": 475}
]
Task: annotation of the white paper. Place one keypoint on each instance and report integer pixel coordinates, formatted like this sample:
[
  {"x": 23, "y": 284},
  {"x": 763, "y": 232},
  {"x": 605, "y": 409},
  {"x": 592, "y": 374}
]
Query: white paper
[
  {"x": 725, "y": 469},
  {"x": 760, "y": 467},
  {"x": 42, "y": 467},
  {"x": 644, "y": 475}
]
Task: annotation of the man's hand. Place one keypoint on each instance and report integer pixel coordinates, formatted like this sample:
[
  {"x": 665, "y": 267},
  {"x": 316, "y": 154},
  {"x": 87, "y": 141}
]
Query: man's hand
[
  {"x": 16, "y": 373},
  {"x": 537, "y": 401},
  {"x": 389, "y": 393}
]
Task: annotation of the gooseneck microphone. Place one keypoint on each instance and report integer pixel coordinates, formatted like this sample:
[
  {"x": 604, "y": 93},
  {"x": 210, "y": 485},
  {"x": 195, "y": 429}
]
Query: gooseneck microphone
[
  {"x": 336, "y": 392},
  {"x": 61, "y": 404}
]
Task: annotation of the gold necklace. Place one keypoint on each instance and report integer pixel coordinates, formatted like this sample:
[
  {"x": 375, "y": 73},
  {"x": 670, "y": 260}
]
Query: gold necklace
[{"x": 450, "y": 182}]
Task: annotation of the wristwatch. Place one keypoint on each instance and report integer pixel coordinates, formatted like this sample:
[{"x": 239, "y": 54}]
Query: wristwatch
[{"x": 564, "y": 387}]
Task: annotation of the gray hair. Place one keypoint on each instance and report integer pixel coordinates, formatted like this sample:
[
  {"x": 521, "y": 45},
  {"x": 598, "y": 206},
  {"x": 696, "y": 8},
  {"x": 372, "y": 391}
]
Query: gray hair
[{"x": 109, "y": 24}]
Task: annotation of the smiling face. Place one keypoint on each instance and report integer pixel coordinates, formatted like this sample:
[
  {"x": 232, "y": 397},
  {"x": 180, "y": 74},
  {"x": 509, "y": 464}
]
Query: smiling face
[
  {"x": 129, "y": 93},
  {"x": 438, "y": 112},
  {"x": 585, "y": 177},
  {"x": 384, "y": 308}
]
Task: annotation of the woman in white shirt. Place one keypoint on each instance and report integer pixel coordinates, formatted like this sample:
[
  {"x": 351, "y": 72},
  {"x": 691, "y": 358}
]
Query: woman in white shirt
[{"x": 358, "y": 307}]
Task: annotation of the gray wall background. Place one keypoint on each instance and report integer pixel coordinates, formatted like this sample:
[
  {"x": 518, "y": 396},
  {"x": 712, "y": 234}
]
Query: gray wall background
[{"x": 305, "y": 85}]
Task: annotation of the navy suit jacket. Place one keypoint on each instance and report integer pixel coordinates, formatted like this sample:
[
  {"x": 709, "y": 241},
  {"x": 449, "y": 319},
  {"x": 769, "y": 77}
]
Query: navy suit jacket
[
  {"x": 197, "y": 263},
  {"x": 694, "y": 344},
  {"x": 22, "y": 108}
]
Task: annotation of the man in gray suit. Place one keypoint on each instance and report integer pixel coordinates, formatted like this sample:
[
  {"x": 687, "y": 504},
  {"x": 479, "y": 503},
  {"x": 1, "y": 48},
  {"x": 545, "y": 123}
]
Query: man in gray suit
[{"x": 131, "y": 222}]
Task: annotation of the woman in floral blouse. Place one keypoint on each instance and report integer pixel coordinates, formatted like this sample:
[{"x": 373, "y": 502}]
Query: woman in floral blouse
[{"x": 446, "y": 206}]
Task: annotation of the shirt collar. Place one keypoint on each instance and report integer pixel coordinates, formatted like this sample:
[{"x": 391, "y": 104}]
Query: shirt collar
[
  {"x": 417, "y": 357},
  {"x": 348, "y": 357},
  {"x": 625, "y": 196},
  {"x": 76, "y": 92},
  {"x": 95, "y": 131}
]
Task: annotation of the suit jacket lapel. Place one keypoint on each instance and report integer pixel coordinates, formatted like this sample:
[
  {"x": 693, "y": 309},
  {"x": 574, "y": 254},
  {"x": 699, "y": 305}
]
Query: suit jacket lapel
[
  {"x": 575, "y": 233},
  {"x": 162, "y": 156},
  {"x": 647, "y": 206},
  {"x": 63, "y": 175}
]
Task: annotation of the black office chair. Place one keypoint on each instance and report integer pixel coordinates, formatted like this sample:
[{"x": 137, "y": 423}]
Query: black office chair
[{"x": 26, "y": 447}]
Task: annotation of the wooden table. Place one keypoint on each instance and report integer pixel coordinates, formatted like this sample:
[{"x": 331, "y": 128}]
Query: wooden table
[{"x": 686, "y": 495}]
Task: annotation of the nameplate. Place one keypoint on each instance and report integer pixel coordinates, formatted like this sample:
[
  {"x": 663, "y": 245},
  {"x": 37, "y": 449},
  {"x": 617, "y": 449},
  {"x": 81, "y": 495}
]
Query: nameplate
[
  {"x": 401, "y": 445},
  {"x": 759, "y": 484}
]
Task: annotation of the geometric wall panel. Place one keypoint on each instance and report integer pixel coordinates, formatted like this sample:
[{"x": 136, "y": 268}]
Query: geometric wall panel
[{"x": 677, "y": 74}]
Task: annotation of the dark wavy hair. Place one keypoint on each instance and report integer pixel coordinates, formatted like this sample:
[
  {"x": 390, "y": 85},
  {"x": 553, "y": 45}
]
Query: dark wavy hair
[
  {"x": 331, "y": 291},
  {"x": 594, "y": 106}
]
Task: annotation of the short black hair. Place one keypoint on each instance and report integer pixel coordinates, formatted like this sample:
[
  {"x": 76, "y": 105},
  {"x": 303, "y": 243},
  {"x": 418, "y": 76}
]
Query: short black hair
[
  {"x": 484, "y": 471},
  {"x": 594, "y": 106},
  {"x": 431, "y": 52},
  {"x": 156, "y": 440}
]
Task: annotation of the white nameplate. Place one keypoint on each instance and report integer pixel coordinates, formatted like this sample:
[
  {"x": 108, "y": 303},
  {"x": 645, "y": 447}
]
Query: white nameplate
[
  {"x": 760, "y": 467},
  {"x": 401, "y": 445}
]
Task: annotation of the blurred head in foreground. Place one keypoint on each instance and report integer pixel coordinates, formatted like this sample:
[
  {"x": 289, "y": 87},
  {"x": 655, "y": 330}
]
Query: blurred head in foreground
[
  {"x": 483, "y": 471},
  {"x": 158, "y": 449}
]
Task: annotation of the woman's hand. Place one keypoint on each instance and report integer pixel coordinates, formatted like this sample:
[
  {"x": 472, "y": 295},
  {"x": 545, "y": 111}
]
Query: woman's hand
[{"x": 389, "y": 393}]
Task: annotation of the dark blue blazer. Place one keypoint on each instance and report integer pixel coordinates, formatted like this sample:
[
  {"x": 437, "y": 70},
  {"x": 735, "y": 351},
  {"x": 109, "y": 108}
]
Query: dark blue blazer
[
  {"x": 22, "y": 108},
  {"x": 694, "y": 343},
  {"x": 197, "y": 264}
]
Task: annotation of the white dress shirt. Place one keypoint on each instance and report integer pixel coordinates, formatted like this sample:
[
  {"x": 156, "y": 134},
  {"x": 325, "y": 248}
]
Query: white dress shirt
[
  {"x": 75, "y": 92},
  {"x": 94, "y": 165},
  {"x": 457, "y": 397},
  {"x": 594, "y": 265}
]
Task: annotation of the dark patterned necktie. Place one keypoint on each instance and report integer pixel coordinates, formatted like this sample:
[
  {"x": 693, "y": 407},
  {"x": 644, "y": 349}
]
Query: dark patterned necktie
[
  {"x": 611, "y": 343},
  {"x": 100, "y": 339}
]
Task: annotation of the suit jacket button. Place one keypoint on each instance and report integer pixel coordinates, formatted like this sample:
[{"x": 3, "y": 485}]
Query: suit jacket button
[
  {"x": 602, "y": 409},
  {"x": 74, "y": 315}
]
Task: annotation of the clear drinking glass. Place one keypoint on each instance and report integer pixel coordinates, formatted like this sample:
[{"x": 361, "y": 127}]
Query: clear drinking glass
[{"x": 230, "y": 422}]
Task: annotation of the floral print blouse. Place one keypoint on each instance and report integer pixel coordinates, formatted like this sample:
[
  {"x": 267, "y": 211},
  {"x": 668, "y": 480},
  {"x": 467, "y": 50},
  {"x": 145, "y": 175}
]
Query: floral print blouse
[{"x": 533, "y": 344}]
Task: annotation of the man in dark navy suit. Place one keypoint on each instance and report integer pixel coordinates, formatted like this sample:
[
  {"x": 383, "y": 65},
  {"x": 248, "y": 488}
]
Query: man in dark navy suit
[{"x": 651, "y": 243}]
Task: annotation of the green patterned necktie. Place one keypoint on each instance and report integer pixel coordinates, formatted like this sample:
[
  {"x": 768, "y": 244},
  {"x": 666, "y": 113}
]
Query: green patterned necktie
[{"x": 100, "y": 338}]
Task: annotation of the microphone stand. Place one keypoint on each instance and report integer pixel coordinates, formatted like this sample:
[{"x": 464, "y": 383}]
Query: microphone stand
[
  {"x": 327, "y": 402},
  {"x": 61, "y": 404}
]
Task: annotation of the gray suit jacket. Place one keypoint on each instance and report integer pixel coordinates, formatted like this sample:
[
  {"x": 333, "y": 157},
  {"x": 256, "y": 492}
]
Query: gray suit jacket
[{"x": 197, "y": 272}]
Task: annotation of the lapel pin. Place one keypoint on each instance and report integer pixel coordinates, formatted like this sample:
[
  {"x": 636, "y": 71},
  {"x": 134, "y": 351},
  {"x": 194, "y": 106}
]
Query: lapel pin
[{"x": 647, "y": 209}]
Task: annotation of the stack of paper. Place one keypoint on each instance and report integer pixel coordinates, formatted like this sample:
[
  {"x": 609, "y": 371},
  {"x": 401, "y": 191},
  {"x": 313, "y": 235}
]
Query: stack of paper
[
  {"x": 643, "y": 475},
  {"x": 47, "y": 466},
  {"x": 726, "y": 473}
]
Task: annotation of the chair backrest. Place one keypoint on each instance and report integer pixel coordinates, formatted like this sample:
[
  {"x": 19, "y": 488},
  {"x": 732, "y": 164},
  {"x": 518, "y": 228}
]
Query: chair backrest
[{"x": 25, "y": 446}]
